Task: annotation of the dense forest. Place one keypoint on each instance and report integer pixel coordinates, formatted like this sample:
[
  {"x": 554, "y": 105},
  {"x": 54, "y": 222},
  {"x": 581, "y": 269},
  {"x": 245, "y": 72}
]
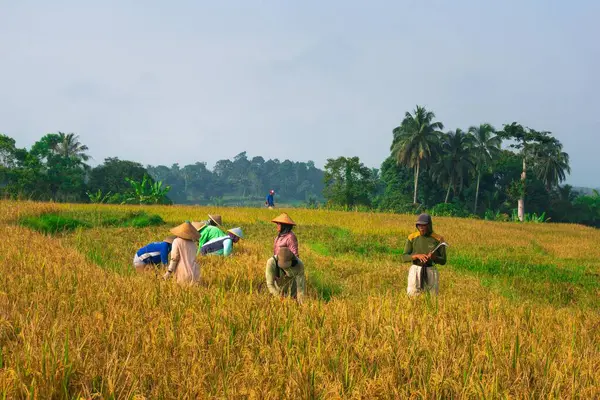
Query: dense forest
[
  {"x": 55, "y": 169},
  {"x": 241, "y": 181},
  {"x": 510, "y": 173}
]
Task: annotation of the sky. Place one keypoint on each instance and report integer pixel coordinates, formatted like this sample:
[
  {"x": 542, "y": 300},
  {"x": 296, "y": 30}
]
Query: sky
[{"x": 184, "y": 81}]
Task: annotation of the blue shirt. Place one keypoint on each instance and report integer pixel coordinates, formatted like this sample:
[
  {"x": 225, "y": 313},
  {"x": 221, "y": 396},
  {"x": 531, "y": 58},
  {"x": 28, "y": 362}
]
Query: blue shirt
[
  {"x": 270, "y": 200},
  {"x": 155, "y": 253}
]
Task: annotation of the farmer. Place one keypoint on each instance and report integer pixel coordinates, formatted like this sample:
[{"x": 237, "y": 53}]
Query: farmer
[
  {"x": 270, "y": 202},
  {"x": 209, "y": 229},
  {"x": 285, "y": 271},
  {"x": 183, "y": 255},
  {"x": 423, "y": 276},
  {"x": 153, "y": 254},
  {"x": 285, "y": 236},
  {"x": 222, "y": 245},
  {"x": 285, "y": 275}
]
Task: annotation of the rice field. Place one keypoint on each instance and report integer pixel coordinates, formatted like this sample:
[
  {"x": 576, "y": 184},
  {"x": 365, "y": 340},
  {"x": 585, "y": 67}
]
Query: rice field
[{"x": 517, "y": 315}]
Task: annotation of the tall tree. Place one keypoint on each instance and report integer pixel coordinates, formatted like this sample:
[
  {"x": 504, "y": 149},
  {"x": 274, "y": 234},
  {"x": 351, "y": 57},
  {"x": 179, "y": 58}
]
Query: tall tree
[
  {"x": 531, "y": 144},
  {"x": 64, "y": 172},
  {"x": 348, "y": 182},
  {"x": 456, "y": 161},
  {"x": 110, "y": 176},
  {"x": 551, "y": 163},
  {"x": 486, "y": 147},
  {"x": 416, "y": 141},
  {"x": 68, "y": 145}
]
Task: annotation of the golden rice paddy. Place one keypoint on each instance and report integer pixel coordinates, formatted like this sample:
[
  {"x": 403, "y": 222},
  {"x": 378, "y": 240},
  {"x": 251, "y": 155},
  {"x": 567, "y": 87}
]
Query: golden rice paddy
[{"x": 517, "y": 315}]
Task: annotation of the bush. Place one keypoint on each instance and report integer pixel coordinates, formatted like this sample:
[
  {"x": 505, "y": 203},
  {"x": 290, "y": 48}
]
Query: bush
[
  {"x": 57, "y": 223},
  {"x": 490, "y": 215},
  {"x": 447, "y": 210},
  {"x": 399, "y": 206},
  {"x": 52, "y": 223},
  {"x": 529, "y": 217},
  {"x": 139, "y": 219}
]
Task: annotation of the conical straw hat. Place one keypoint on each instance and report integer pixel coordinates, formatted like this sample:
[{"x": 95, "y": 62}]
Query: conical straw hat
[
  {"x": 186, "y": 231},
  {"x": 283, "y": 218},
  {"x": 198, "y": 225},
  {"x": 216, "y": 218},
  {"x": 237, "y": 232}
]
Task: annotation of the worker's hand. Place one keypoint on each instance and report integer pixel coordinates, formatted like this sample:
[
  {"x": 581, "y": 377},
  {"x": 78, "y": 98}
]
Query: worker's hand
[
  {"x": 167, "y": 275},
  {"x": 421, "y": 257}
]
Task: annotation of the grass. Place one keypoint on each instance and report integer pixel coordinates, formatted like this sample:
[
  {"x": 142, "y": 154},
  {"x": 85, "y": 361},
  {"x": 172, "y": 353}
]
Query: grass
[
  {"x": 323, "y": 284},
  {"x": 138, "y": 219},
  {"x": 57, "y": 223},
  {"x": 517, "y": 315},
  {"x": 52, "y": 223}
]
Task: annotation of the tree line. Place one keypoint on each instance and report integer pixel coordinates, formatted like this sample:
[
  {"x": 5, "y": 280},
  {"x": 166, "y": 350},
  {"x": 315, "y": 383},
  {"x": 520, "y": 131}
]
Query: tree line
[
  {"x": 514, "y": 172},
  {"x": 465, "y": 173},
  {"x": 55, "y": 168}
]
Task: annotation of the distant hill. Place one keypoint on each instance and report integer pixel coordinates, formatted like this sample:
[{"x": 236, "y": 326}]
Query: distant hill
[{"x": 585, "y": 190}]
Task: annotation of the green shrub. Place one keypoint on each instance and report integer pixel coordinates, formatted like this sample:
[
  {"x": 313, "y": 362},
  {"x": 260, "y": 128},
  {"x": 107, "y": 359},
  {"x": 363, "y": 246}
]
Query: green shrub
[
  {"x": 447, "y": 210},
  {"x": 52, "y": 223},
  {"x": 529, "y": 217},
  {"x": 137, "y": 219},
  {"x": 490, "y": 215}
]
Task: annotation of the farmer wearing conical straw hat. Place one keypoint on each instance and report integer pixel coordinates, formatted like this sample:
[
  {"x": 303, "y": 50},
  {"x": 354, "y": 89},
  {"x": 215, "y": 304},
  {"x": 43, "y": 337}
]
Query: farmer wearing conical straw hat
[
  {"x": 183, "y": 254},
  {"x": 209, "y": 229},
  {"x": 222, "y": 245},
  {"x": 423, "y": 249},
  {"x": 284, "y": 272},
  {"x": 285, "y": 236},
  {"x": 153, "y": 254}
]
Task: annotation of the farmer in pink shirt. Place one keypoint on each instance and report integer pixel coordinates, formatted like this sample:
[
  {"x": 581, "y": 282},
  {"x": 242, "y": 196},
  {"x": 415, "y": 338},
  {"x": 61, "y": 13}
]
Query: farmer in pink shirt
[
  {"x": 285, "y": 271},
  {"x": 285, "y": 236}
]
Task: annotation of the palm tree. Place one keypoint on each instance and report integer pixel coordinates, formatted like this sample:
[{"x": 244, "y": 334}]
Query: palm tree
[
  {"x": 486, "y": 148},
  {"x": 551, "y": 164},
  {"x": 416, "y": 141},
  {"x": 566, "y": 193},
  {"x": 456, "y": 160},
  {"x": 69, "y": 146}
]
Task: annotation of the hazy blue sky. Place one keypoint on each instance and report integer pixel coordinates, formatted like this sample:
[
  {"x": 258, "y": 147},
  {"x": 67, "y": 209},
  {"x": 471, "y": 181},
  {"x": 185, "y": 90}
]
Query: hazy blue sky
[{"x": 161, "y": 82}]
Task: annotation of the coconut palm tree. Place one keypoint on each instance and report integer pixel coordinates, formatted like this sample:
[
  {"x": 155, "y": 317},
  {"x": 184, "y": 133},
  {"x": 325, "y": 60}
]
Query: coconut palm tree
[
  {"x": 456, "y": 161},
  {"x": 486, "y": 147},
  {"x": 68, "y": 146},
  {"x": 416, "y": 141},
  {"x": 551, "y": 164}
]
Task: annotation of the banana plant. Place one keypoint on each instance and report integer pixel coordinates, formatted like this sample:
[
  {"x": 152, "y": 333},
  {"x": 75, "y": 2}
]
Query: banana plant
[
  {"x": 145, "y": 192},
  {"x": 98, "y": 197}
]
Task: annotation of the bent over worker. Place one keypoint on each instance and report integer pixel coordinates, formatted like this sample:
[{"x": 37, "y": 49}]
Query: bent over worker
[
  {"x": 183, "y": 263},
  {"x": 222, "y": 246},
  {"x": 153, "y": 254},
  {"x": 285, "y": 275},
  {"x": 209, "y": 230},
  {"x": 423, "y": 275}
]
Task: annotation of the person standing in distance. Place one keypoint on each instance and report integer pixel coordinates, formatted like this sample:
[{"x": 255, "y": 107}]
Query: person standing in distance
[{"x": 270, "y": 202}]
